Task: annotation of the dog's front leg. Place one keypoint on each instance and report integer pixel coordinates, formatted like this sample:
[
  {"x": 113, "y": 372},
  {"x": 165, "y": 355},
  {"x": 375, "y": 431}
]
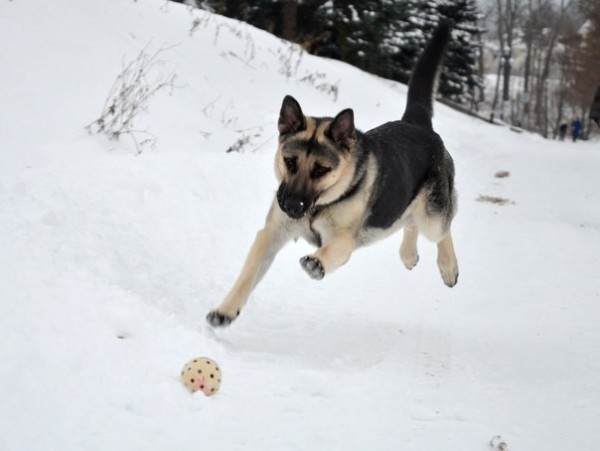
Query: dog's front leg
[
  {"x": 331, "y": 256},
  {"x": 268, "y": 242}
]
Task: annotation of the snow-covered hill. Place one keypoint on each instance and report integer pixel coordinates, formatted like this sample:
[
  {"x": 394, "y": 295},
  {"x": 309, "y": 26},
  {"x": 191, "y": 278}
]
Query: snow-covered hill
[{"x": 109, "y": 260}]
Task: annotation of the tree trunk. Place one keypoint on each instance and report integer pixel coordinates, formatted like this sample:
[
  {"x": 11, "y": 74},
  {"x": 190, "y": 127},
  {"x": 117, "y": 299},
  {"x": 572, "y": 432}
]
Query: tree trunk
[
  {"x": 528, "y": 44},
  {"x": 509, "y": 21},
  {"x": 233, "y": 9},
  {"x": 543, "y": 82},
  {"x": 481, "y": 70},
  {"x": 595, "y": 109},
  {"x": 497, "y": 90},
  {"x": 507, "y": 69},
  {"x": 289, "y": 15},
  {"x": 546, "y": 120},
  {"x": 562, "y": 94}
]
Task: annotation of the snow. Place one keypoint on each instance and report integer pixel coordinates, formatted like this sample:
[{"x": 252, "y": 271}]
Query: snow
[{"x": 110, "y": 260}]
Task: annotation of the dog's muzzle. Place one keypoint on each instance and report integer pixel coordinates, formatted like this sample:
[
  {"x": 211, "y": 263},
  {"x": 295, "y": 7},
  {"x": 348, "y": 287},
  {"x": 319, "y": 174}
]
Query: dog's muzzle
[{"x": 292, "y": 205}]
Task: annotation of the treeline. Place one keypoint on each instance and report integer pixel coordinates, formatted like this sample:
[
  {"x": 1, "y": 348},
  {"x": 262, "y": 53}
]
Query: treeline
[
  {"x": 540, "y": 58},
  {"x": 383, "y": 37}
]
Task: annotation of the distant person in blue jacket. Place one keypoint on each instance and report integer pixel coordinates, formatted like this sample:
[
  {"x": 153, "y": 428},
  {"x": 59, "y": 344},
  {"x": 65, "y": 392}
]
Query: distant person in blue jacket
[{"x": 575, "y": 129}]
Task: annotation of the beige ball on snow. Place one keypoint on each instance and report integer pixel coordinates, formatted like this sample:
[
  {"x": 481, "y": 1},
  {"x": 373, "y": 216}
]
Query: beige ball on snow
[{"x": 202, "y": 374}]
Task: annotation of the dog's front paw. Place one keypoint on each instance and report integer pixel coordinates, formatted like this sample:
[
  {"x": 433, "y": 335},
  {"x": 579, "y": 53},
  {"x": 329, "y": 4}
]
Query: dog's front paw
[
  {"x": 313, "y": 267},
  {"x": 218, "y": 319}
]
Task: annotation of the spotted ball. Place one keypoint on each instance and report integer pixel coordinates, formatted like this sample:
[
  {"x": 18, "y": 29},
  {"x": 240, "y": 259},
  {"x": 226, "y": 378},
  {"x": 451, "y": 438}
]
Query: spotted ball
[{"x": 202, "y": 374}]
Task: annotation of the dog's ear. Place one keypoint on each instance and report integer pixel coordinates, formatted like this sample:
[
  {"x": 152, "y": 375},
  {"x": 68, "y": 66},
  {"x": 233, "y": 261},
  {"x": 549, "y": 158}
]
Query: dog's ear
[
  {"x": 291, "y": 118},
  {"x": 341, "y": 130}
]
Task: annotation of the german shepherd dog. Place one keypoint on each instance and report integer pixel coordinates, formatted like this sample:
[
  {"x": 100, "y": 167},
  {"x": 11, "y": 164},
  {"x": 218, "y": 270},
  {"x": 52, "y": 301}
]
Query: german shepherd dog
[{"x": 341, "y": 189}]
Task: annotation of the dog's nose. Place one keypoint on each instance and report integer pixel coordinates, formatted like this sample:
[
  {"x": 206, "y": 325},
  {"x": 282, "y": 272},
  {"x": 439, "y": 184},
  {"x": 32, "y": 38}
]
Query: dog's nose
[{"x": 295, "y": 207}]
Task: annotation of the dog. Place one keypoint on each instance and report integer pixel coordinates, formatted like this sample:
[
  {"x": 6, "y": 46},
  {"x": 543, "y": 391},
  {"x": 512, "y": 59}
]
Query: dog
[{"x": 341, "y": 189}]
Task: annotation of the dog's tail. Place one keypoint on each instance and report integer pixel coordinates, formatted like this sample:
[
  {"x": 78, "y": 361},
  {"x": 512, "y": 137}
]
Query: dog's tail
[{"x": 419, "y": 104}]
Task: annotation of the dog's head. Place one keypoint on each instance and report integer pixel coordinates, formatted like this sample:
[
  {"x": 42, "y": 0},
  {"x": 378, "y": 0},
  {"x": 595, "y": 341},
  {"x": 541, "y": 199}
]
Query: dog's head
[{"x": 314, "y": 161}]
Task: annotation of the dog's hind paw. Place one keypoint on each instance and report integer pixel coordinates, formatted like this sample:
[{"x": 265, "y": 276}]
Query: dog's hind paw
[
  {"x": 410, "y": 261},
  {"x": 313, "y": 267},
  {"x": 218, "y": 319},
  {"x": 450, "y": 277}
]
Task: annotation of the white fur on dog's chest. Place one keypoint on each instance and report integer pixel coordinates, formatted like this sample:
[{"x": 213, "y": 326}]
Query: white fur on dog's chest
[{"x": 352, "y": 216}]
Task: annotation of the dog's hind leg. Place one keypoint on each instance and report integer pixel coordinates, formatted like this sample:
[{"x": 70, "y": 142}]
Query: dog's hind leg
[
  {"x": 408, "y": 249},
  {"x": 268, "y": 242},
  {"x": 446, "y": 260}
]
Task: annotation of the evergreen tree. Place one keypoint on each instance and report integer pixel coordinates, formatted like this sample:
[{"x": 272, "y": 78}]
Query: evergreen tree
[
  {"x": 410, "y": 33},
  {"x": 355, "y": 31},
  {"x": 459, "y": 76},
  {"x": 397, "y": 49},
  {"x": 407, "y": 36}
]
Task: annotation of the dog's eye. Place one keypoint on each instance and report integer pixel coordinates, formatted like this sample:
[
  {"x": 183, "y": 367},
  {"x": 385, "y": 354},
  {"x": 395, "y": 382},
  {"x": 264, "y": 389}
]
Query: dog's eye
[
  {"x": 319, "y": 171},
  {"x": 291, "y": 164}
]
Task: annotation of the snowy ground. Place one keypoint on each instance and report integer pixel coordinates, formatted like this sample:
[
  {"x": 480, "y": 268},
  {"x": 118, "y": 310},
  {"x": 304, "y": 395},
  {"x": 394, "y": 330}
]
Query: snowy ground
[{"x": 109, "y": 261}]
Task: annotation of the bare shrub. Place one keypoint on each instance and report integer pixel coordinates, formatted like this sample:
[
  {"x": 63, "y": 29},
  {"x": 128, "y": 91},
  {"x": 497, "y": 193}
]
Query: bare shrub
[
  {"x": 319, "y": 81},
  {"x": 290, "y": 57},
  {"x": 129, "y": 96}
]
